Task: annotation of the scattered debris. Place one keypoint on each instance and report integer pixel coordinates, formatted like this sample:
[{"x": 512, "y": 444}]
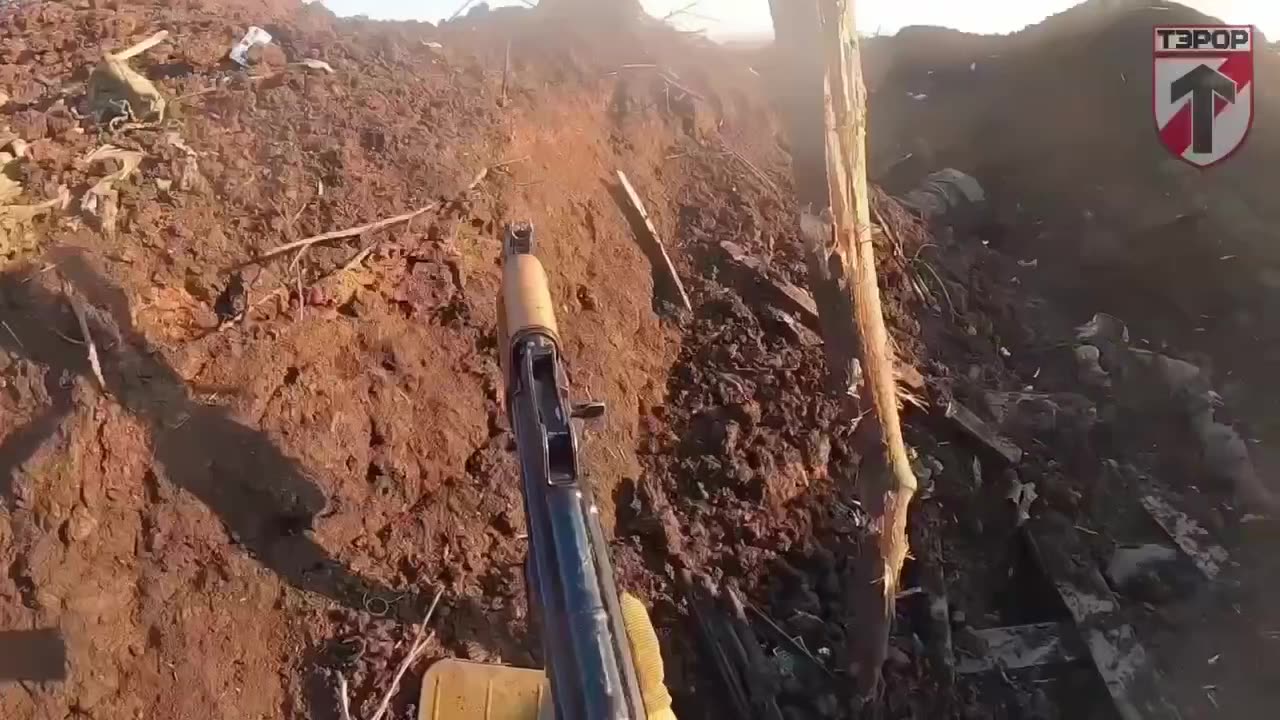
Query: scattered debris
[
  {"x": 768, "y": 182},
  {"x": 419, "y": 645},
  {"x": 1104, "y": 327},
  {"x": 658, "y": 253},
  {"x": 1129, "y": 563},
  {"x": 252, "y": 38},
  {"x": 16, "y": 236},
  {"x": 313, "y": 64},
  {"x": 1022, "y": 495},
  {"x": 979, "y": 430},
  {"x": 101, "y": 202},
  {"x": 1025, "y": 417},
  {"x": 1186, "y": 533},
  {"x": 793, "y": 298},
  {"x": 1135, "y": 686},
  {"x": 1016, "y": 647},
  {"x": 118, "y": 91}
]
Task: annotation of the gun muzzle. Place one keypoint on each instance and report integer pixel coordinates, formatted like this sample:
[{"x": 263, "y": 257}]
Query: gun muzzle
[{"x": 524, "y": 305}]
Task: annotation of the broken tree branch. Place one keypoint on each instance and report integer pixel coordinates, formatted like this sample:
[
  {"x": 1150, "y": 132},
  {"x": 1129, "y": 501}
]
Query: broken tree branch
[
  {"x": 831, "y": 186},
  {"x": 887, "y": 490}
]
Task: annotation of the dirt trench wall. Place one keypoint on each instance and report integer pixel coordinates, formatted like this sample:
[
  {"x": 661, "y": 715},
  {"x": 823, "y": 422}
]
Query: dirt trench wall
[{"x": 207, "y": 530}]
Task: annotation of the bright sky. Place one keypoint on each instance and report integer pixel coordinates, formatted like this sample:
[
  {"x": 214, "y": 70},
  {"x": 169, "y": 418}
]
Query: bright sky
[{"x": 728, "y": 18}]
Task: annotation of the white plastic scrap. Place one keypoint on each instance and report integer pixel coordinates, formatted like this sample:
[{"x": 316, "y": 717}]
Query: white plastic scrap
[
  {"x": 1023, "y": 495},
  {"x": 255, "y": 36}
]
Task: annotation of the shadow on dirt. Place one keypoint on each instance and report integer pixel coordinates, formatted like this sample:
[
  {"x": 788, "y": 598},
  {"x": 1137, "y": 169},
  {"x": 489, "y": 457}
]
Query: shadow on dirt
[
  {"x": 33, "y": 655},
  {"x": 263, "y": 497}
]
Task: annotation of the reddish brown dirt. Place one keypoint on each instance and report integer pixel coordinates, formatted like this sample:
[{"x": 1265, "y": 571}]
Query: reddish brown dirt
[{"x": 211, "y": 530}]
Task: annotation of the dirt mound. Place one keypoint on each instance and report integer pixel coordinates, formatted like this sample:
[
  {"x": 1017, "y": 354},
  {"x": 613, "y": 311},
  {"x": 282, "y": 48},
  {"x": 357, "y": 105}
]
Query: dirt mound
[
  {"x": 1056, "y": 122},
  {"x": 281, "y": 458},
  {"x": 287, "y": 457}
]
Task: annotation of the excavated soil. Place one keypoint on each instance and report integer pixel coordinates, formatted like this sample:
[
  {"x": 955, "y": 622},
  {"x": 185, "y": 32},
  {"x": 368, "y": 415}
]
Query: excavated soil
[
  {"x": 286, "y": 460},
  {"x": 246, "y": 507}
]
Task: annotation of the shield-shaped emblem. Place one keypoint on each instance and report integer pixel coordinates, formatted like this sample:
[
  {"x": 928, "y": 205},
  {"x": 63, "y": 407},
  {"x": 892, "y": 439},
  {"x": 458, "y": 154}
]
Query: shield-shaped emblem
[{"x": 1203, "y": 90}]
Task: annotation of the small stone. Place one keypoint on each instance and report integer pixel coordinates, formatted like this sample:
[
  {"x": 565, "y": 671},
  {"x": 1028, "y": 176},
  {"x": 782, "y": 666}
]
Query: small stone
[
  {"x": 504, "y": 523},
  {"x": 970, "y": 642},
  {"x": 31, "y": 125},
  {"x": 827, "y": 706},
  {"x": 805, "y": 623},
  {"x": 79, "y": 526},
  {"x": 897, "y": 657},
  {"x": 1130, "y": 564},
  {"x": 273, "y": 56}
]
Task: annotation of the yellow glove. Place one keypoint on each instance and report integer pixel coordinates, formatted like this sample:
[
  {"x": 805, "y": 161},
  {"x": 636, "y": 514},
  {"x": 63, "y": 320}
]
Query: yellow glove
[{"x": 647, "y": 657}]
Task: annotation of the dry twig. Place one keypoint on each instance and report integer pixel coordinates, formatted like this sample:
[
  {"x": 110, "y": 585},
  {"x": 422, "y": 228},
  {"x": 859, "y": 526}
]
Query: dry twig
[
  {"x": 897, "y": 247},
  {"x": 458, "y": 12},
  {"x": 666, "y": 266},
  {"x": 945, "y": 293},
  {"x": 768, "y": 182},
  {"x": 12, "y": 334},
  {"x": 341, "y": 234},
  {"x": 681, "y": 10},
  {"x": 419, "y": 646},
  {"x": 91, "y": 348},
  {"x": 350, "y": 232},
  {"x": 670, "y": 79},
  {"x": 143, "y": 46},
  {"x": 344, "y": 698},
  {"x": 506, "y": 73}
]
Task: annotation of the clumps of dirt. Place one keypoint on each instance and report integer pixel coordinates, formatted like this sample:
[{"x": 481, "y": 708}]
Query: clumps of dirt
[{"x": 288, "y": 457}]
